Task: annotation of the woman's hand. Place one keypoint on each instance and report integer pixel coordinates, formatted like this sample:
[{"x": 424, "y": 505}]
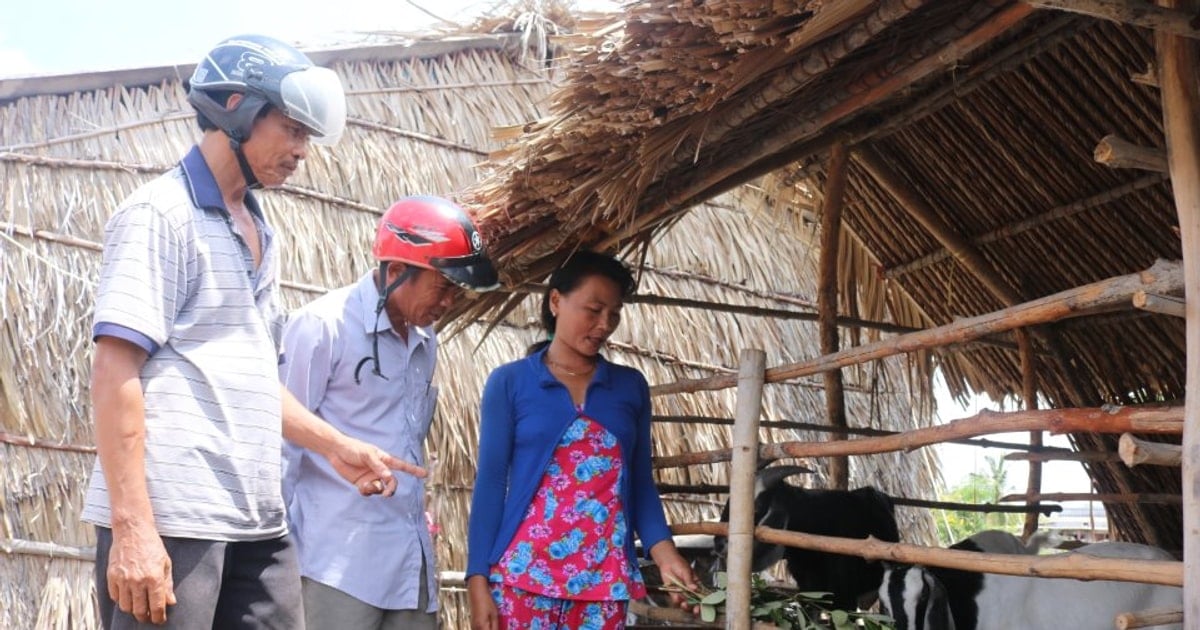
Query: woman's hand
[
  {"x": 675, "y": 571},
  {"x": 484, "y": 615}
]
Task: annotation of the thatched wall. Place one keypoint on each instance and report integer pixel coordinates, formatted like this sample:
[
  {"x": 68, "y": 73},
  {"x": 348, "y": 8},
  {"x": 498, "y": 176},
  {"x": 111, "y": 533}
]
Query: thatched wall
[{"x": 419, "y": 125}]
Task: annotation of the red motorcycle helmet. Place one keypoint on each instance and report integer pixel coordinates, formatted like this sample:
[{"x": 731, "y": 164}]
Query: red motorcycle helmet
[{"x": 435, "y": 233}]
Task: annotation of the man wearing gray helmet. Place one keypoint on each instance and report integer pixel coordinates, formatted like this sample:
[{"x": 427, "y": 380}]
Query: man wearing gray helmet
[{"x": 189, "y": 411}]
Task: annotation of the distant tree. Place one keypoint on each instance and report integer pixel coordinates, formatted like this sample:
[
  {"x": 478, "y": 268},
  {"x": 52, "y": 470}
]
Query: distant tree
[{"x": 978, "y": 488}]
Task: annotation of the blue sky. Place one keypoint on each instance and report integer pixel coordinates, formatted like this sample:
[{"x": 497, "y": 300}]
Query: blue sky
[{"x": 65, "y": 36}]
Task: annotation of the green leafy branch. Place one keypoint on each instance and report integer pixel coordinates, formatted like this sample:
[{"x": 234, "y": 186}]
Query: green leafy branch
[{"x": 785, "y": 609}]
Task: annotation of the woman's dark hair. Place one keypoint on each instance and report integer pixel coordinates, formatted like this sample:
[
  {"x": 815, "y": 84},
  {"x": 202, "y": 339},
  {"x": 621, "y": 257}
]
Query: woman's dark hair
[{"x": 572, "y": 273}]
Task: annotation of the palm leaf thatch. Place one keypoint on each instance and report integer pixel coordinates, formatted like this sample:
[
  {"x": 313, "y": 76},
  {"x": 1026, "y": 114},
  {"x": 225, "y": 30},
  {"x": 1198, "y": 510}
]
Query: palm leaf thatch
[
  {"x": 423, "y": 118},
  {"x": 972, "y": 184}
]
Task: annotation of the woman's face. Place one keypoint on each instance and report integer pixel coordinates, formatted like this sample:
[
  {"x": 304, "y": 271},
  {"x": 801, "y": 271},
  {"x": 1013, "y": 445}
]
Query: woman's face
[{"x": 587, "y": 315}]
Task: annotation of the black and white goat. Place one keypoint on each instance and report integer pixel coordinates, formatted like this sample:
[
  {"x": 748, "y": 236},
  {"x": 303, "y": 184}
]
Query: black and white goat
[
  {"x": 997, "y": 541},
  {"x": 849, "y": 514},
  {"x": 934, "y": 598}
]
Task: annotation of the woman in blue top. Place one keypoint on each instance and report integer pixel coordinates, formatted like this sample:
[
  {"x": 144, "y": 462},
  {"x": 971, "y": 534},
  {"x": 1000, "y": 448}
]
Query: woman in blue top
[{"x": 564, "y": 477}]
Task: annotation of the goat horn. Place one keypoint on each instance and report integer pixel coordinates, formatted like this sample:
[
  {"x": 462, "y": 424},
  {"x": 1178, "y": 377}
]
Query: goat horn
[{"x": 771, "y": 476}]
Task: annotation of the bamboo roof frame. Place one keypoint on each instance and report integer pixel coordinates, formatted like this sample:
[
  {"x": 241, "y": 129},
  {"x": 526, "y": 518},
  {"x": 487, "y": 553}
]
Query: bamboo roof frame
[
  {"x": 60, "y": 181},
  {"x": 622, "y": 154}
]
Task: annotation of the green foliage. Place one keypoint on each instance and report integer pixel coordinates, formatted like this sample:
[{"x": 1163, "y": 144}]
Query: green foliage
[
  {"x": 786, "y": 610},
  {"x": 978, "y": 488}
]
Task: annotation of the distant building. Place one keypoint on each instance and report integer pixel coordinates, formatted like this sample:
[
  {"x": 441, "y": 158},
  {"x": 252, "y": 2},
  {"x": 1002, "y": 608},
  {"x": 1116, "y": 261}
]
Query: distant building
[{"x": 1084, "y": 521}]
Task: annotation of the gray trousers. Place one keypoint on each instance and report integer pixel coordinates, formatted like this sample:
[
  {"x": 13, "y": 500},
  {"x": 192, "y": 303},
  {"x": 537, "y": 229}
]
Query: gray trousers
[
  {"x": 326, "y": 608},
  {"x": 218, "y": 586}
]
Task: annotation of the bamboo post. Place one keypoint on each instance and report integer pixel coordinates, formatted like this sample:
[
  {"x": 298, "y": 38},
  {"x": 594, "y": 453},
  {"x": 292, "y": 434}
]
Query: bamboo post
[
  {"x": 827, "y": 307},
  {"x": 1029, "y": 392},
  {"x": 1181, "y": 122},
  {"x": 741, "y": 488},
  {"x": 1135, "y": 451}
]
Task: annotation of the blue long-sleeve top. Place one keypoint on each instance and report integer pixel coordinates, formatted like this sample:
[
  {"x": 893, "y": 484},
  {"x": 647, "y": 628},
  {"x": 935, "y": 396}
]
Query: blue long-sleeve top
[{"x": 524, "y": 412}]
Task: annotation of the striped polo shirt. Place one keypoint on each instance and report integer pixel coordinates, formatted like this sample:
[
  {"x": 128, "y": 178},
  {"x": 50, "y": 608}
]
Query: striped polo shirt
[{"x": 179, "y": 281}]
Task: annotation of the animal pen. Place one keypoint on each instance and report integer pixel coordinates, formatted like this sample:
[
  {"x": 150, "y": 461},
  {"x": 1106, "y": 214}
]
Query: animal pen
[{"x": 824, "y": 202}]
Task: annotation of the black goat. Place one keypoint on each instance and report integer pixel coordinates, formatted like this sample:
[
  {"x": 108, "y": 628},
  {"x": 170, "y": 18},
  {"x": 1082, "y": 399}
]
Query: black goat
[{"x": 848, "y": 514}]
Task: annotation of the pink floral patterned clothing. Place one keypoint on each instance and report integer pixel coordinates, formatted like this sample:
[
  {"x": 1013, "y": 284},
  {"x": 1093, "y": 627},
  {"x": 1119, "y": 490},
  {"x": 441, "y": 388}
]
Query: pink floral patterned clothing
[
  {"x": 522, "y": 610},
  {"x": 571, "y": 543}
]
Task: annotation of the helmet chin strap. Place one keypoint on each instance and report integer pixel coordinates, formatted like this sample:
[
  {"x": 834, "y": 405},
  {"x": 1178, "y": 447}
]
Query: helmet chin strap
[
  {"x": 384, "y": 291},
  {"x": 247, "y": 173}
]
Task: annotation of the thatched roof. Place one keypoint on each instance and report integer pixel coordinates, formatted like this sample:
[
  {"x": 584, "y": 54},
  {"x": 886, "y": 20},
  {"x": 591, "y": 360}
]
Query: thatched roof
[
  {"x": 981, "y": 116},
  {"x": 423, "y": 115}
]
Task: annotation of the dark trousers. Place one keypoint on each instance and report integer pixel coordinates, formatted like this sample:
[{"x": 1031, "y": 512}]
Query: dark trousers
[{"x": 218, "y": 585}]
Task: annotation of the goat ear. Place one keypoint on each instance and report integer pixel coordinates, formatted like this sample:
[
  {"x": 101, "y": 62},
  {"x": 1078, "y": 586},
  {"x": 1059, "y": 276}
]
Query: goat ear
[{"x": 776, "y": 516}]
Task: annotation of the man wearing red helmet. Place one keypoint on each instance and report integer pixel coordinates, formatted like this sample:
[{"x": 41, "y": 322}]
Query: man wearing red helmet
[{"x": 362, "y": 358}]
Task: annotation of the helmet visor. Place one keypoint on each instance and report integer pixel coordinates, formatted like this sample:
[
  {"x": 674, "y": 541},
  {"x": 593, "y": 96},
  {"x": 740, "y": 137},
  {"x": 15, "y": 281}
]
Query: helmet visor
[
  {"x": 314, "y": 96},
  {"x": 474, "y": 272}
]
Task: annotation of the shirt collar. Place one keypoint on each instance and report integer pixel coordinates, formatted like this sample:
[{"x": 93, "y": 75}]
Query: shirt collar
[
  {"x": 202, "y": 186},
  {"x": 368, "y": 298}
]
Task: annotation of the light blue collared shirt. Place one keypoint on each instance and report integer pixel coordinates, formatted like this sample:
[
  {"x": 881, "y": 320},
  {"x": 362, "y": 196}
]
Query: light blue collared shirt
[{"x": 367, "y": 547}]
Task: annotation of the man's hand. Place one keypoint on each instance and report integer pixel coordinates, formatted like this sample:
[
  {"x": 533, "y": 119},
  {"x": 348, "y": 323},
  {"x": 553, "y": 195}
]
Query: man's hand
[
  {"x": 139, "y": 574},
  {"x": 368, "y": 467}
]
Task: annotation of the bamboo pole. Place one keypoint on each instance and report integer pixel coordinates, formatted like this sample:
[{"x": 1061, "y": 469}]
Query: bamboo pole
[
  {"x": 1116, "y": 152},
  {"x": 1064, "y": 565},
  {"x": 1142, "y": 14},
  {"x": 986, "y": 508},
  {"x": 15, "y": 546},
  {"x": 1163, "y": 277},
  {"x": 827, "y": 307},
  {"x": 1029, "y": 393},
  {"x": 1140, "y": 419},
  {"x": 32, "y": 442},
  {"x": 917, "y": 208},
  {"x": 1082, "y": 456},
  {"x": 741, "y": 488},
  {"x": 808, "y": 426},
  {"x": 1132, "y": 497},
  {"x": 1149, "y": 618},
  {"x": 1162, "y": 304},
  {"x": 1134, "y": 452},
  {"x": 1024, "y": 225},
  {"x": 970, "y": 257},
  {"x": 73, "y": 241},
  {"x": 1181, "y": 122}
]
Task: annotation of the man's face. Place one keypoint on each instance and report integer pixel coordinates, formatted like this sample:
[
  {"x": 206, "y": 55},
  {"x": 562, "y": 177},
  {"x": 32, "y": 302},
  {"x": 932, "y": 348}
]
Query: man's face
[
  {"x": 423, "y": 299},
  {"x": 276, "y": 146}
]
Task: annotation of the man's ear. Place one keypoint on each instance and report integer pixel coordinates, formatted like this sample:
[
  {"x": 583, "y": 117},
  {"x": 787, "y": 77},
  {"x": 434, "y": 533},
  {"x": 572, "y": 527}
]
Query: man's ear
[{"x": 233, "y": 101}]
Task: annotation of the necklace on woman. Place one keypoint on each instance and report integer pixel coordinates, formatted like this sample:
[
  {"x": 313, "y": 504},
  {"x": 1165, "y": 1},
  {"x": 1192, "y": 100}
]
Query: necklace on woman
[{"x": 555, "y": 364}]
